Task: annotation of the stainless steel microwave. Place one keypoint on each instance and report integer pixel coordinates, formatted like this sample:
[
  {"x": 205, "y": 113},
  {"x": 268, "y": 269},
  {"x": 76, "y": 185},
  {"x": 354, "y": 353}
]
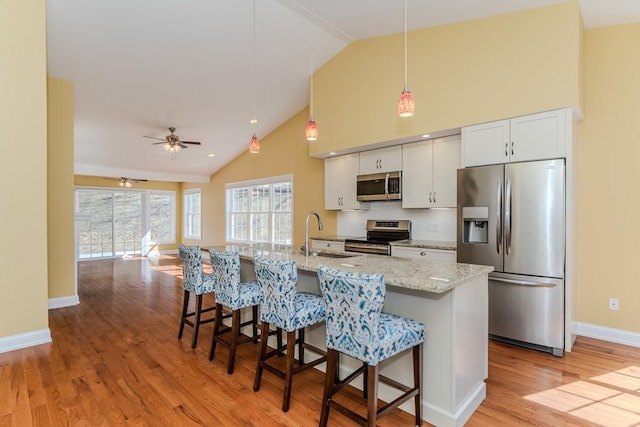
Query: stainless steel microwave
[{"x": 379, "y": 186}]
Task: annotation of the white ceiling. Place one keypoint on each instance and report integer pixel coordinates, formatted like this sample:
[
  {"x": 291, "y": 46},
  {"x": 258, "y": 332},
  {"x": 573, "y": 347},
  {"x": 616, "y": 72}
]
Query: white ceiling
[{"x": 141, "y": 66}]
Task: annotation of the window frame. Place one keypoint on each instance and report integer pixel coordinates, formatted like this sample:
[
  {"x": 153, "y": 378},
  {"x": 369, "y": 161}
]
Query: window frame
[
  {"x": 248, "y": 184},
  {"x": 174, "y": 213},
  {"x": 185, "y": 214}
]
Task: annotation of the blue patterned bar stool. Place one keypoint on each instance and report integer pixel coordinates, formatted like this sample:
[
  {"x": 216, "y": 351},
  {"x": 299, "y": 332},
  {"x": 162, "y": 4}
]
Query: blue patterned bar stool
[
  {"x": 357, "y": 327},
  {"x": 289, "y": 310},
  {"x": 234, "y": 295},
  {"x": 196, "y": 281}
]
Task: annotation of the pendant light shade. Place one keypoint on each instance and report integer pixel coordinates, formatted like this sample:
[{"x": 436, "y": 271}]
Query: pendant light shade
[
  {"x": 311, "y": 131},
  {"x": 406, "y": 103},
  {"x": 254, "y": 145}
]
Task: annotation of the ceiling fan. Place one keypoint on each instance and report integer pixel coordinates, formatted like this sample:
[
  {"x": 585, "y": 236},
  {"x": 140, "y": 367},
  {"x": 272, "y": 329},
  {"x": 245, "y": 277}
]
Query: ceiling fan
[
  {"x": 123, "y": 181},
  {"x": 172, "y": 142}
]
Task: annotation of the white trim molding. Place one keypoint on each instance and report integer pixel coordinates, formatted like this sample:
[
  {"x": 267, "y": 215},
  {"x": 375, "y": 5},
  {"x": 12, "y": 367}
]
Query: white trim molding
[
  {"x": 61, "y": 302},
  {"x": 604, "y": 333},
  {"x": 28, "y": 339}
]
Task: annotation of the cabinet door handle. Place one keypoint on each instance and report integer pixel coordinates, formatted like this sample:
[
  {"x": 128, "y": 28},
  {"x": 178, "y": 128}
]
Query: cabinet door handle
[
  {"x": 430, "y": 197},
  {"x": 423, "y": 253},
  {"x": 506, "y": 149},
  {"x": 512, "y": 147},
  {"x": 434, "y": 197}
]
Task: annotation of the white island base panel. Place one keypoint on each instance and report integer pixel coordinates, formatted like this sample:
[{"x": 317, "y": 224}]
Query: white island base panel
[{"x": 455, "y": 353}]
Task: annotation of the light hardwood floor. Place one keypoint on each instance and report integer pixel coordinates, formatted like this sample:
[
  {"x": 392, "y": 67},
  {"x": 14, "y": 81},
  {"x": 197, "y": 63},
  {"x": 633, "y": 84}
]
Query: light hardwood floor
[{"x": 115, "y": 360}]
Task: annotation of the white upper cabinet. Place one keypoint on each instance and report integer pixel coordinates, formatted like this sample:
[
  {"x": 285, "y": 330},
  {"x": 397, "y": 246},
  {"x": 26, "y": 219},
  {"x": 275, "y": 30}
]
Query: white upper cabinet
[
  {"x": 533, "y": 137},
  {"x": 429, "y": 173},
  {"x": 340, "y": 174},
  {"x": 381, "y": 160}
]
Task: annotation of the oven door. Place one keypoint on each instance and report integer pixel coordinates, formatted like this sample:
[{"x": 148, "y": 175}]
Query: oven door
[{"x": 367, "y": 247}]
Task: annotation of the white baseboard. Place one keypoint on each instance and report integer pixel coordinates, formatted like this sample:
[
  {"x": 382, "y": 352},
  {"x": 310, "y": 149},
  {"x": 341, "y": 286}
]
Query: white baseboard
[
  {"x": 28, "y": 339},
  {"x": 604, "y": 333},
  {"x": 63, "y": 302}
]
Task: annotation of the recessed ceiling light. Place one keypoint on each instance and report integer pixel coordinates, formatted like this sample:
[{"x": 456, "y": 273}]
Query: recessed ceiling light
[
  {"x": 333, "y": 153},
  {"x": 211, "y": 155},
  {"x": 426, "y": 135}
]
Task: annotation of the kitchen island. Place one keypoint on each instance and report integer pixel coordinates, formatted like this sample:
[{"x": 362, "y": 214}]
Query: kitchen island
[{"x": 451, "y": 299}]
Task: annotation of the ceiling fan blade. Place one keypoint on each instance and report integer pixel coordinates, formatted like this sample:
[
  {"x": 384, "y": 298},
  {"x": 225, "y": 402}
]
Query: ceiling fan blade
[
  {"x": 181, "y": 145},
  {"x": 191, "y": 142},
  {"x": 153, "y": 137},
  {"x": 156, "y": 143}
]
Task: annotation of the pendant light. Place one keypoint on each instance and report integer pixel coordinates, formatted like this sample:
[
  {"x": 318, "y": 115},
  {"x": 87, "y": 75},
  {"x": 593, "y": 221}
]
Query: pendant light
[
  {"x": 406, "y": 104},
  {"x": 311, "y": 131},
  {"x": 254, "y": 144}
]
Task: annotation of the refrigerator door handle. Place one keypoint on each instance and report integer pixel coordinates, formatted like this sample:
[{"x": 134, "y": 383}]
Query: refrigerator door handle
[
  {"x": 507, "y": 219},
  {"x": 522, "y": 282},
  {"x": 499, "y": 218}
]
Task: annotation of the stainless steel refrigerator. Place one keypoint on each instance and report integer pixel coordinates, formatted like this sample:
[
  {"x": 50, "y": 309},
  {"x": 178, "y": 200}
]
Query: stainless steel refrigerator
[{"x": 512, "y": 216}]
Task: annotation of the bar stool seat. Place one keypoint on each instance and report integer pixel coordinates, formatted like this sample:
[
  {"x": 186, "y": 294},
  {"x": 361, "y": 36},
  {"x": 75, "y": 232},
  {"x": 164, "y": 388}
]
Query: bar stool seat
[
  {"x": 234, "y": 295},
  {"x": 195, "y": 281},
  {"x": 357, "y": 327},
  {"x": 289, "y": 310}
]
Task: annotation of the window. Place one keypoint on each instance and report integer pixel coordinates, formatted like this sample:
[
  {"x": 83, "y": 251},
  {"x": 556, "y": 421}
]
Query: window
[
  {"x": 261, "y": 211},
  {"x": 192, "y": 214},
  {"x": 122, "y": 222}
]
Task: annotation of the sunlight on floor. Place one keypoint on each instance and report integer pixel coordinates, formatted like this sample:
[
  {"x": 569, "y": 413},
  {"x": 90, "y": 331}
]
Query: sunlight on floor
[{"x": 601, "y": 399}]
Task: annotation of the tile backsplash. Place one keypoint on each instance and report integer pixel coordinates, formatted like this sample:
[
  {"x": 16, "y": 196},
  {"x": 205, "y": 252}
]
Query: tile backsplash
[{"x": 426, "y": 224}]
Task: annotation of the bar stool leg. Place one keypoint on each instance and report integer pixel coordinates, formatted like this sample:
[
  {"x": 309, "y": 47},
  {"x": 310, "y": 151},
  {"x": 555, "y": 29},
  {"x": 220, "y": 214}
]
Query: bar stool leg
[
  {"x": 264, "y": 337},
  {"x": 329, "y": 383},
  {"x": 417, "y": 381},
  {"x": 254, "y": 323},
  {"x": 301, "y": 346},
  {"x": 288, "y": 376},
  {"x": 372, "y": 392},
  {"x": 216, "y": 330},
  {"x": 185, "y": 306},
  {"x": 235, "y": 332},
  {"x": 196, "y": 321}
]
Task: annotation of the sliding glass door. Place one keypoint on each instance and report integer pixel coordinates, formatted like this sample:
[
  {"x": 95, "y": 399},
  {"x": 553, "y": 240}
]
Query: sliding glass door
[{"x": 113, "y": 223}]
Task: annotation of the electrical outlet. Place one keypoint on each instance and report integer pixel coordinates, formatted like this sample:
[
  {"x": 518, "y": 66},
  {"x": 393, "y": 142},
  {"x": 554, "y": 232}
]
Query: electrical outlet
[
  {"x": 432, "y": 227},
  {"x": 614, "y": 304}
]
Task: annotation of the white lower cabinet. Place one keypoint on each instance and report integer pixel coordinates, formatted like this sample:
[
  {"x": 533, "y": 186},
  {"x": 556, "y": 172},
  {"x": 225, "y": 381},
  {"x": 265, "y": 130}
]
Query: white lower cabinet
[
  {"x": 422, "y": 253},
  {"x": 324, "y": 245},
  {"x": 429, "y": 170}
]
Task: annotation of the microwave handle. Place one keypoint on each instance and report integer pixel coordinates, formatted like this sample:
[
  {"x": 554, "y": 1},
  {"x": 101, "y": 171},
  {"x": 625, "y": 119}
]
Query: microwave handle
[{"x": 386, "y": 185}]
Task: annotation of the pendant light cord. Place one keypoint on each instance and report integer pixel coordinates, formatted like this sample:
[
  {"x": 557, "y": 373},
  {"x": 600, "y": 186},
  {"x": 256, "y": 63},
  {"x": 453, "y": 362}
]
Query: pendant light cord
[
  {"x": 405, "y": 46},
  {"x": 311, "y": 72},
  {"x": 253, "y": 120}
]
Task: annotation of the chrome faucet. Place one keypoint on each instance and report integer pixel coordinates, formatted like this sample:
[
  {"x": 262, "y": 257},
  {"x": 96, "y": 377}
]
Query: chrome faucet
[{"x": 306, "y": 230}]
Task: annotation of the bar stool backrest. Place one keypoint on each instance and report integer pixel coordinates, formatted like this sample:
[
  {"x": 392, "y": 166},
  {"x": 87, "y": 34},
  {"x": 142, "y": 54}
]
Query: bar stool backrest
[
  {"x": 277, "y": 281},
  {"x": 192, "y": 276},
  {"x": 226, "y": 270},
  {"x": 354, "y": 303}
]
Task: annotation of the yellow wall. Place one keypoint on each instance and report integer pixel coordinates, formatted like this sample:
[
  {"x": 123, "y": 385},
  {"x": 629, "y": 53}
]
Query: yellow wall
[
  {"x": 23, "y": 167},
  {"x": 284, "y": 151},
  {"x": 98, "y": 181},
  {"x": 60, "y": 246},
  {"x": 460, "y": 74},
  {"x": 609, "y": 183}
]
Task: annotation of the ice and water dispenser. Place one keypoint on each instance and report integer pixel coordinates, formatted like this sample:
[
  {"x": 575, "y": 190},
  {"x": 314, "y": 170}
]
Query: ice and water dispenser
[{"x": 476, "y": 224}]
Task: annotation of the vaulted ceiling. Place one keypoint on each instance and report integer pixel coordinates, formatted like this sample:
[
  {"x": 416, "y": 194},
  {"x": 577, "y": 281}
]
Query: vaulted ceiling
[{"x": 140, "y": 67}]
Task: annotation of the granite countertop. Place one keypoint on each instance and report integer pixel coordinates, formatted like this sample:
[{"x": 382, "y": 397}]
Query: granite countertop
[
  {"x": 422, "y": 275},
  {"x": 423, "y": 244},
  {"x": 426, "y": 244}
]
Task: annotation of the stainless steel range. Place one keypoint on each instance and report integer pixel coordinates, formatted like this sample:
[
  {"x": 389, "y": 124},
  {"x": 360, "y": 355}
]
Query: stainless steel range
[{"x": 380, "y": 234}]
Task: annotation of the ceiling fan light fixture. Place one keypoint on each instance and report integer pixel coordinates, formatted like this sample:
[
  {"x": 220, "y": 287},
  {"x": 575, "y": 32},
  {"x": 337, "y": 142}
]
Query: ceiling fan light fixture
[
  {"x": 254, "y": 145},
  {"x": 171, "y": 147}
]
